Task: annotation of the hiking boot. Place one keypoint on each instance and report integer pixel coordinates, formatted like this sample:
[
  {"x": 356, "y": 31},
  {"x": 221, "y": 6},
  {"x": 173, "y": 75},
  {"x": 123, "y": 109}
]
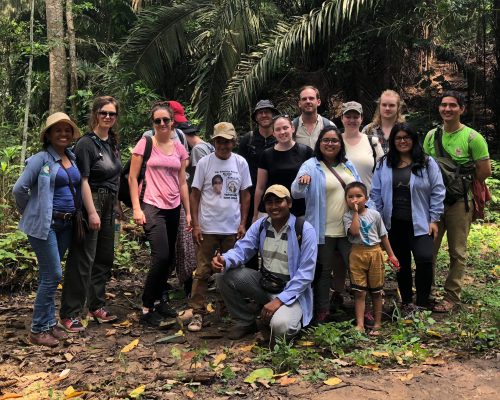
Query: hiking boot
[
  {"x": 58, "y": 333},
  {"x": 152, "y": 319},
  {"x": 101, "y": 316},
  {"x": 165, "y": 309},
  {"x": 196, "y": 323},
  {"x": 239, "y": 331},
  {"x": 71, "y": 325},
  {"x": 43, "y": 339}
]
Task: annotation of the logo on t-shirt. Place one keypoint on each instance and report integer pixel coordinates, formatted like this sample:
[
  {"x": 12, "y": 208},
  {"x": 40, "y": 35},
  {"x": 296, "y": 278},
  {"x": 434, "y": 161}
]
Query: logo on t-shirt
[
  {"x": 458, "y": 152},
  {"x": 226, "y": 184}
]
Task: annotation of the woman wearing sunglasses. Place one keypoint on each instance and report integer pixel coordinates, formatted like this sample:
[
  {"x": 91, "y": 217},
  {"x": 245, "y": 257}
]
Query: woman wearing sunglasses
[
  {"x": 408, "y": 191},
  {"x": 89, "y": 263},
  {"x": 158, "y": 211},
  {"x": 279, "y": 164},
  {"x": 321, "y": 181}
]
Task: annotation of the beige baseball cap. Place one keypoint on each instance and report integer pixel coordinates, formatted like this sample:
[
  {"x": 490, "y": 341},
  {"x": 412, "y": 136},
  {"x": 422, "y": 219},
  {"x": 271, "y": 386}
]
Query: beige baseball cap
[
  {"x": 278, "y": 190},
  {"x": 225, "y": 130}
]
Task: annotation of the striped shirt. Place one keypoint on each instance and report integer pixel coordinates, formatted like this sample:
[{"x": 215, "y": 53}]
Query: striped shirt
[{"x": 274, "y": 252}]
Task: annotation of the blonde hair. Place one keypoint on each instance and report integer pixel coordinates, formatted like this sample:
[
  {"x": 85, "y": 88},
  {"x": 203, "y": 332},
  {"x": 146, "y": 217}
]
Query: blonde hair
[{"x": 377, "y": 120}]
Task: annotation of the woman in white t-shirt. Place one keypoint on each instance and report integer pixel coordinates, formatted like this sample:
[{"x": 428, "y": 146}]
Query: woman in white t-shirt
[
  {"x": 158, "y": 210},
  {"x": 362, "y": 151}
]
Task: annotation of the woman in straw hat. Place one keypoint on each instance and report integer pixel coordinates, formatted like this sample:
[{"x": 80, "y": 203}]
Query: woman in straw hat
[{"x": 44, "y": 197}]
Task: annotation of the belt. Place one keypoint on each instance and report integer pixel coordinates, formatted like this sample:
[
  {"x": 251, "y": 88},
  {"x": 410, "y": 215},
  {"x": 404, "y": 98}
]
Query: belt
[{"x": 63, "y": 216}]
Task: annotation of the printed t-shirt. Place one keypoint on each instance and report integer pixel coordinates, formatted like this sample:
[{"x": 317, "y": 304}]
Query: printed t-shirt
[
  {"x": 220, "y": 183},
  {"x": 458, "y": 146},
  {"x": 371, "y": 227},
  {"x": 162, "y": 175},
  {"x": 361, "y": 155},
  {"x": 336, "y": 205}
]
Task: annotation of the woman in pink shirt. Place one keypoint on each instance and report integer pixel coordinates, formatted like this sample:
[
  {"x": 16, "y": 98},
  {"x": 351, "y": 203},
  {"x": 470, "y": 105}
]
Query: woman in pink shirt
[{"x": 159, "y": 210}]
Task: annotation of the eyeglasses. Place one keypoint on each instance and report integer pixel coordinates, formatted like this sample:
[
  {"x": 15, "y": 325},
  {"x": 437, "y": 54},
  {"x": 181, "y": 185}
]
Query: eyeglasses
[
  {"x": 402, "y": 139},
  {"x": 330, "y": 140},
  {"x": 110, "y": 114},
  {"x": 165, "y": 120}
]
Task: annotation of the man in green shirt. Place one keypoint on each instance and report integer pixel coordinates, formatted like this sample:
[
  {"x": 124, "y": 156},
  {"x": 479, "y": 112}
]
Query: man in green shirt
[{"x": 464, "y": 146}]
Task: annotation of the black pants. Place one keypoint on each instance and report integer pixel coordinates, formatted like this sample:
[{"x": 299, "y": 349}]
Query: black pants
[
  {"x": 161, "y": 232},
  {"x": 404, "y": 243},
  {"x": 88, "y": 267}
]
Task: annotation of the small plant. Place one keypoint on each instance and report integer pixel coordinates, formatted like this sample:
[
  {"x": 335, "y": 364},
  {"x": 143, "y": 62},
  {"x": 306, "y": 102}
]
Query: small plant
[
  {"x": 315, "y": 375},
  {"x": 337, "y": 337}
]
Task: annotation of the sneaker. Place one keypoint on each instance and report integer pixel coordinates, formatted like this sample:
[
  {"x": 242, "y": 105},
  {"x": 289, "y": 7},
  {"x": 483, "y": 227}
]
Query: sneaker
[
  {"x": 71, "y": 325},
  {"x": 239, "y": 331},
  {"x": 166, "y": 310},
  {"x": 409, "y": 310},
  {"x": 58, "y": 333},
  {"x": 152, "y": 319},
  {"x": 101, "y": 316},
  {"x": 43, "y": 339},
  {"x": 196, "y": 323}
]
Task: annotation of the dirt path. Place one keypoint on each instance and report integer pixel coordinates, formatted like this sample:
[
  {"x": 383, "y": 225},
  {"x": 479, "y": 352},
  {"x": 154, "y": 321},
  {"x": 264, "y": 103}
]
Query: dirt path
[{"x": 94, "y": 363}]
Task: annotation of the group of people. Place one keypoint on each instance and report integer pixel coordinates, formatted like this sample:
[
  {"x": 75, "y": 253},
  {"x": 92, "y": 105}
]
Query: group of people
[{"x": 315, "y": 203}]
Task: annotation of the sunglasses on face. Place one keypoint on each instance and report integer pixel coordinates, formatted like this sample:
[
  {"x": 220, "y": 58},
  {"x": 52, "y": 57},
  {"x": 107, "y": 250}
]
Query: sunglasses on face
[
  {"x": 165, "y": 120},
  {"x": 330, "y": 140},
  {"x": 110, "y": 114}
]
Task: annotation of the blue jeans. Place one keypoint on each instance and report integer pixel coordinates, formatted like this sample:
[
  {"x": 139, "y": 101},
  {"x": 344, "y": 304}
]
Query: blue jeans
[{"x": 49, "y": 254}]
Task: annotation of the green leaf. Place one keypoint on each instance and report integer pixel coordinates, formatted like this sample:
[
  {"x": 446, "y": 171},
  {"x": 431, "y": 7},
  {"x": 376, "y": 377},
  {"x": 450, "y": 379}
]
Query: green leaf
[{"x": 261, "y": 373}]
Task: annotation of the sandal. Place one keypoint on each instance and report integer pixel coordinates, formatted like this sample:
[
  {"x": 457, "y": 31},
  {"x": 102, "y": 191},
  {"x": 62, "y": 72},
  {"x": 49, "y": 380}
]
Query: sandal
[
  {"x": 444, "y": 306},
  {"x": 374, "y": 332},
  {"x": 196, "y": 323}
]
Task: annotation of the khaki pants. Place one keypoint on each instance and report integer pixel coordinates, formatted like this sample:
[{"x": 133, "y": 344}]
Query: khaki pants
[
  {"x": 456, "y": 223},
  {"x": 204, "y": 254}
]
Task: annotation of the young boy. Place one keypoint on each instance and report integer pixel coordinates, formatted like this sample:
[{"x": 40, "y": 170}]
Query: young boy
[{"x": 365, "y": 230}]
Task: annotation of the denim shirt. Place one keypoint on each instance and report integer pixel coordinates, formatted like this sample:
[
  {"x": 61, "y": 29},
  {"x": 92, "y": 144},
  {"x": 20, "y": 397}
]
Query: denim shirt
[
  {"x": 34, "y": 192},
  {"x": 315, "y": 194},
  {"x": 427, "y": 195},
  {"x": 301, "y": 262}
]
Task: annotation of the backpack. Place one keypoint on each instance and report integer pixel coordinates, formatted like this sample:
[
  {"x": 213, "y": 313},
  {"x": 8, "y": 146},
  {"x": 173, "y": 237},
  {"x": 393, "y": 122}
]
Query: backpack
[
  {"x": 124, "y": 190},
  {"x": 299, "y": 227},
  {"x": 457, "y": 178}
]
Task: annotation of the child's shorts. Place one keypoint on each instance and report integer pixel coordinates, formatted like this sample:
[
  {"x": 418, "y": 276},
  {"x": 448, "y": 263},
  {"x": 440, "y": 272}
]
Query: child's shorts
[{"x": 366, "y": 264}]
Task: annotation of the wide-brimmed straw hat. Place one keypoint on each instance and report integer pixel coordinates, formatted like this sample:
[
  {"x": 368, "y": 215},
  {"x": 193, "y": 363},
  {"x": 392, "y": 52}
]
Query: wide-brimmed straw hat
[{"x": 54, "y": 119}]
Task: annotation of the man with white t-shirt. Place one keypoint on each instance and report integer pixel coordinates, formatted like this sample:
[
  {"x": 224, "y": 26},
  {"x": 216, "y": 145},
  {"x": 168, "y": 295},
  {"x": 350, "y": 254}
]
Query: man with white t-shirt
[{"x": 219, "y": 200}]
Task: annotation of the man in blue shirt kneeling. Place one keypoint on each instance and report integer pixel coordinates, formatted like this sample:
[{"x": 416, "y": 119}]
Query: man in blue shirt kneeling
[{"x": 283, "y": 284}]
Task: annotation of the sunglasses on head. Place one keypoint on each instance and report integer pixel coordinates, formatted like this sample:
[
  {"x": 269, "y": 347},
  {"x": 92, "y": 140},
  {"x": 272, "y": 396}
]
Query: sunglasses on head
[
  {"x": 110, "y": 114},
  {"x": 165, "y": 120},
  {"x": 281, "y": 116}
]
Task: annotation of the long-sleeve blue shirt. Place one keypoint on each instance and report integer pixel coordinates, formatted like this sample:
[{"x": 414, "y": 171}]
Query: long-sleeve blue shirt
[
  {"x": 34, "y": 192},
  {"x": 315, "y": 194},
  {"x": 427, "y": 195},
  {"x": 301, "y": 261}
]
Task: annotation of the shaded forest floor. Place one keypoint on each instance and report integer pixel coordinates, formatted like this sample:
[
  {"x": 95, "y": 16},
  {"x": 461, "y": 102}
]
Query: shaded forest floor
[{"x": 419, "y": 357}]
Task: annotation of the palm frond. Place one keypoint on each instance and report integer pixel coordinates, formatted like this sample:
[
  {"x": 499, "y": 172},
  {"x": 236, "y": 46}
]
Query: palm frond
[{"x": 300, "y": 34}]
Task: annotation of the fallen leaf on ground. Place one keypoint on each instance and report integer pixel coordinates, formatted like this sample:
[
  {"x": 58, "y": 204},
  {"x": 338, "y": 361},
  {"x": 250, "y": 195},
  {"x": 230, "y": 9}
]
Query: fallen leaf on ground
[
  {"x": 248, "y": 348},
  {"x": 247, "y": 360},
  {"x": 406, "y": 377},
  {"x": 408, "y": 321},
  {"x": 305, "y": 343},
  {"x": 210, "y": 308},
  {"x": 373, "y": 367},
  {"x": 434, "y": 361},
  {"x": 124, "y": 324},
  {"x": 261, "y": 373},
  {"x": 219, "y": 358},
  {"x": 340, "y": 362},
  {"x": 10, "y": 396},
  {"x": 190, "y": 394},
  {"x": 332, "y": 381},
  {"x": 285, "y": 381},
  {"x": 70, "y": 393},
  {"x": 281, "y": 375},
  {"x": 64, "y": 374},
  {"x": 380, "y": 354},
  {"x": 430, "y": 332},
  {"x": 110, "y": 296},
  {"x": 59, "y": 287},
  {"x": 137, "y": 391},
  {"x": 264, "y": 382},
  {"x": 68, "y": 356},
  {"x": 130, "y": 346},
  {"x": 110, "y": 332},
  {"x": 399, "y": 360}
]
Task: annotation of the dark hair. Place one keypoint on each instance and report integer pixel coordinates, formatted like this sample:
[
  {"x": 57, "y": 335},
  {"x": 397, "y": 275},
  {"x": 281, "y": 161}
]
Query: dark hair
[
  {"x": 100, "y": 102},
  {"x": 459, "y": 97},
  {"x": 309, "y": 87},
  {"x": 419, "y": 159},
  {"x": 217, "y": 178},
  {"x": 356, "y": 184},
  {"x": 46, "y": 141},
  {"x": 161, "y": 105},
  {"x": 341, "y": 157},
  {"x": 285, "y": 116}
]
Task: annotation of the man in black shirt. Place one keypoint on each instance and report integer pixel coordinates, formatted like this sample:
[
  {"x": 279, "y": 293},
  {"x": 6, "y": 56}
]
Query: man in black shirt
[{"x": 251, "y": 146}]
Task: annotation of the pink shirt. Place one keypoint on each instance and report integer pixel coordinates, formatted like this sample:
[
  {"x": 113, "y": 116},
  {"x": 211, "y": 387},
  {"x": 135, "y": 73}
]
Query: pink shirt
[{"x": 162, "y": 175}]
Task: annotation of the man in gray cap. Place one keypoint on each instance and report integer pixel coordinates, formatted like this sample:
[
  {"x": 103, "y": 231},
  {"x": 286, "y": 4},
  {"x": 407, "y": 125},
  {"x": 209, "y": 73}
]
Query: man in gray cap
[{"x": 253, "y": 144}]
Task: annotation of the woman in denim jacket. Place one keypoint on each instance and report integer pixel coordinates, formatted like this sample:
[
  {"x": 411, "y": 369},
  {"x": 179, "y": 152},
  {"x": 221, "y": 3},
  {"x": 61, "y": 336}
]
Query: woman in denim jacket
[
  {"x": 44, "y": 197},
  {"x": 408, "y": 191},
  {"x": 325, "y": 207}
]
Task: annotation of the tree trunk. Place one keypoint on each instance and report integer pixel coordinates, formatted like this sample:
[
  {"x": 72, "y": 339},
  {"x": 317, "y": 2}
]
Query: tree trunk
[
  {"x": 496, "y": 81},
  {"x": 57, "y": 55},
  {"x": 73, "y": 77},
  {"x": 28, "y": 88}
]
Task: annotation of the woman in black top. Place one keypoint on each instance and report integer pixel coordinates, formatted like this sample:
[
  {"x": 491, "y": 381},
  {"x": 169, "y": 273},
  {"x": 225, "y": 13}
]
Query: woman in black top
[
  {"x": 89, "y": 263},
  {"x": 280, "y": 164}
]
